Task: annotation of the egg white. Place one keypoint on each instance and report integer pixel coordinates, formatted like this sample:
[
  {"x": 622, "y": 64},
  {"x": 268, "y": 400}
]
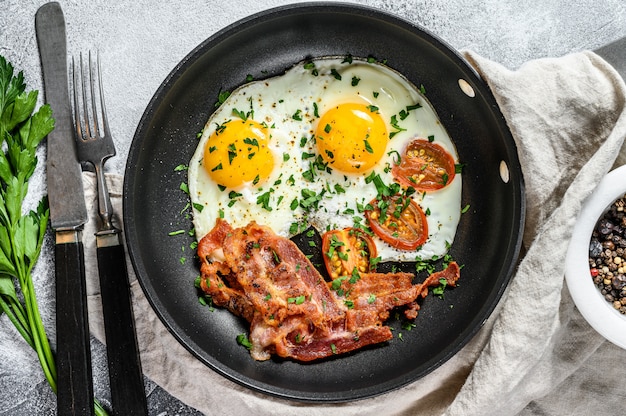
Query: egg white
[{"x": 292, "y": 103}]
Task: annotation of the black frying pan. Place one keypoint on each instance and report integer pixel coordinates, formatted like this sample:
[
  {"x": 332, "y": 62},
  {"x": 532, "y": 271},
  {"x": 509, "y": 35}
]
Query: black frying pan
[{"x": 488, "y": 238}]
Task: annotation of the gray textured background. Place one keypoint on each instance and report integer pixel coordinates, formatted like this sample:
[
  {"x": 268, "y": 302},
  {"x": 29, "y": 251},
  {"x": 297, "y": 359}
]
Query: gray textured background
[{"x": 141, "y": 41}]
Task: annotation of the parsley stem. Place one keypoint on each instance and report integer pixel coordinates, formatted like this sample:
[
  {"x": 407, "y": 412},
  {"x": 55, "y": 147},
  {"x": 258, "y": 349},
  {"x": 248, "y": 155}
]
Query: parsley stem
[{"x": 15, "y": 313}]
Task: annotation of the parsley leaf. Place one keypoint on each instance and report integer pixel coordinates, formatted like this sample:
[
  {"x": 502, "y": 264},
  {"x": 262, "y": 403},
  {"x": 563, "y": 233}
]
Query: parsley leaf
[{"x": 244, "y": 341}]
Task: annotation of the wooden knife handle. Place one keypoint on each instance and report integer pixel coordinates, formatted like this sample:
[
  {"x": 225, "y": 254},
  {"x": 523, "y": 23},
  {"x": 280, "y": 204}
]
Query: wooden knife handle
[
  {"x": 128, "y": 396},
  {"x": 73, "y": 357}
]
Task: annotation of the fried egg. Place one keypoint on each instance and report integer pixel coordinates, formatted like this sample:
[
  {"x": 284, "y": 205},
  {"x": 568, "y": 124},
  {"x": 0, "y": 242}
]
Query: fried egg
[{"x": 302, "y": 148}]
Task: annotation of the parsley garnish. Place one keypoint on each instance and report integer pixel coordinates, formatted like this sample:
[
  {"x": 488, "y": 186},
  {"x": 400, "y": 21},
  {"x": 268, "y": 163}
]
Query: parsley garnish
[
  {"x": 264, "y": 200},
  {"x": 232, "y": 153},
  {"x": 241, "y": 114},
  {"x": 311, "y": 66},
  {"x": 222, "y": 96},
  {"x": 251, "y": 142},
  {"x": 242, "y": 339},
  {"x": 219, "y": 128},
  {"x": 297, "y": 300},
  {"x": 440, "y": 289},
  {"x": 394, "y": 124}
]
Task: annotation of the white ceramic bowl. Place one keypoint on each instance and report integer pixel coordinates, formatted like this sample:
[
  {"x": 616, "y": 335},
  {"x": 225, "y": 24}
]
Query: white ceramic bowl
[{"x": 600, "y": 314}]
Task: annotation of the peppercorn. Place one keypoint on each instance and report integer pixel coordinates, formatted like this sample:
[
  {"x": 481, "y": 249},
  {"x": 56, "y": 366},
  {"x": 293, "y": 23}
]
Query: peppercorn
[{"x": 607, "y": 251}]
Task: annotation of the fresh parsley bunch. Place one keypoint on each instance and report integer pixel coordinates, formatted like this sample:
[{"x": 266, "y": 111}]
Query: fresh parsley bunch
[{"x": 22, "y": 234}]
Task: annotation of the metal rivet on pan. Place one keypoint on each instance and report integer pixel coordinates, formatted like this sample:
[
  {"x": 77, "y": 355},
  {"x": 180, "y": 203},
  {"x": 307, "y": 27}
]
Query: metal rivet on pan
[
  {"x": 466, "y": 88},
  {"x": 504, "y": 172}
]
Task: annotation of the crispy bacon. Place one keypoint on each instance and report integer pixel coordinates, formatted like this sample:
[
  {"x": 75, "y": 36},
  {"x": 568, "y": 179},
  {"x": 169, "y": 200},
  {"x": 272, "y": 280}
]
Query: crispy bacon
[{"x": 293, "y": 312}]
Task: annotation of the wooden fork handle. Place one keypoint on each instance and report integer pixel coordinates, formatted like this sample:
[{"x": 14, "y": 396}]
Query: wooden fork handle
[{"x": 128, "y": 396}]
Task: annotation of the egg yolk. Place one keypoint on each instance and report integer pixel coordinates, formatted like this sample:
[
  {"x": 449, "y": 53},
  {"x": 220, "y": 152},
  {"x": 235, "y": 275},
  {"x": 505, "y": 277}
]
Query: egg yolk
[
  {"x": 237, "y": 153},
  {"x": 351, "y": 137}
]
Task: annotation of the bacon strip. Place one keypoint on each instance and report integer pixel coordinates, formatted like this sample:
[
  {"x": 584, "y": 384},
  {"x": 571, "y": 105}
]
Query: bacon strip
[{"x": 293, "y": 312}]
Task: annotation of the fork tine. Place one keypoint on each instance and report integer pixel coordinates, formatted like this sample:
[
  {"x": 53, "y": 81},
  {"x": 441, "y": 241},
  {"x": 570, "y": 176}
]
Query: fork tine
[
  {"x": 96, "y": 126},
  {"x": 105, "y": 122},
  {"x": 84, "y": 79}
]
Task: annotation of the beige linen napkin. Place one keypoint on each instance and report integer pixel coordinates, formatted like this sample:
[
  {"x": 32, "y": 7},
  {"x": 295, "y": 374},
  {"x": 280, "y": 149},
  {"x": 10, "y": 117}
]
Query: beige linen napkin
[{"x": 566, "y": 115}]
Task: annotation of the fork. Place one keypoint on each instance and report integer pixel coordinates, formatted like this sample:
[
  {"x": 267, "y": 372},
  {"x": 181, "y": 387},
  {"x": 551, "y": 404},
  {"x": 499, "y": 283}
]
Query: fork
[{"x": 94, "y": 145}]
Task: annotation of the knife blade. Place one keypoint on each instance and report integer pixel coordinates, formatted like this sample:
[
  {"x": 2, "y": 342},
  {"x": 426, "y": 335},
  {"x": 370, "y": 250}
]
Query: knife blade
[{"x": 68, "y": 214}]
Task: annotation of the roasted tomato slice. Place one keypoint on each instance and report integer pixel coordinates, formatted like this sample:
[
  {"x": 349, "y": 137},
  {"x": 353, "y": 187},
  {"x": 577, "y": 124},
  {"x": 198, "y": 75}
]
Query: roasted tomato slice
[
  {"x": 398, "y": 221},
  {"x": 425, "y": 166},
  {"x": 347, "y": 249}
]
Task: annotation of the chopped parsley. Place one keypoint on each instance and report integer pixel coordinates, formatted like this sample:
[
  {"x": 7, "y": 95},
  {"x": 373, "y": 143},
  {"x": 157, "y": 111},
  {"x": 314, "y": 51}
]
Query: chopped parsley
[
  {"x": 232, "y": 153},
  {"x": 299, "y": 300},
  {"x": 242, "y": 339},
  {"x": 222, "y": 96},
  {"x": 335, "y": 74},
  {"x": 394, "y": 124},
  {"x": 311, "y": 66},
  {"x": 264, "y": 200},
  {"x": 438, "y": 291},
  {"x": 252, "y": 142}
]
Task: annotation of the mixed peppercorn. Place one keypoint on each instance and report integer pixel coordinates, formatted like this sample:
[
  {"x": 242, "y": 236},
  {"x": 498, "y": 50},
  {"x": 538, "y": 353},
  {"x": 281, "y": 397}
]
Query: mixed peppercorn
[{"x": 607, "y": 255}]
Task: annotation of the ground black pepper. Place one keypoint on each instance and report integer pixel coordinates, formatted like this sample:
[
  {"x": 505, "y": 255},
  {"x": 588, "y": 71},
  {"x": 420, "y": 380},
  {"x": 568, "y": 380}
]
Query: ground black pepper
[{"x": 607, "y": 255}]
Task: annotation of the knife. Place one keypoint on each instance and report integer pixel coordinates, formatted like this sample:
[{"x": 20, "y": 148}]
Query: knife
[{"x": 68, "y": 215}]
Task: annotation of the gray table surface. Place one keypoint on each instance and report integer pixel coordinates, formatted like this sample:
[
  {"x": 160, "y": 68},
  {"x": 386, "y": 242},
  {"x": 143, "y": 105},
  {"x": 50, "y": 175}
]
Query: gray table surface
[{"x": 143, "y": 40}]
